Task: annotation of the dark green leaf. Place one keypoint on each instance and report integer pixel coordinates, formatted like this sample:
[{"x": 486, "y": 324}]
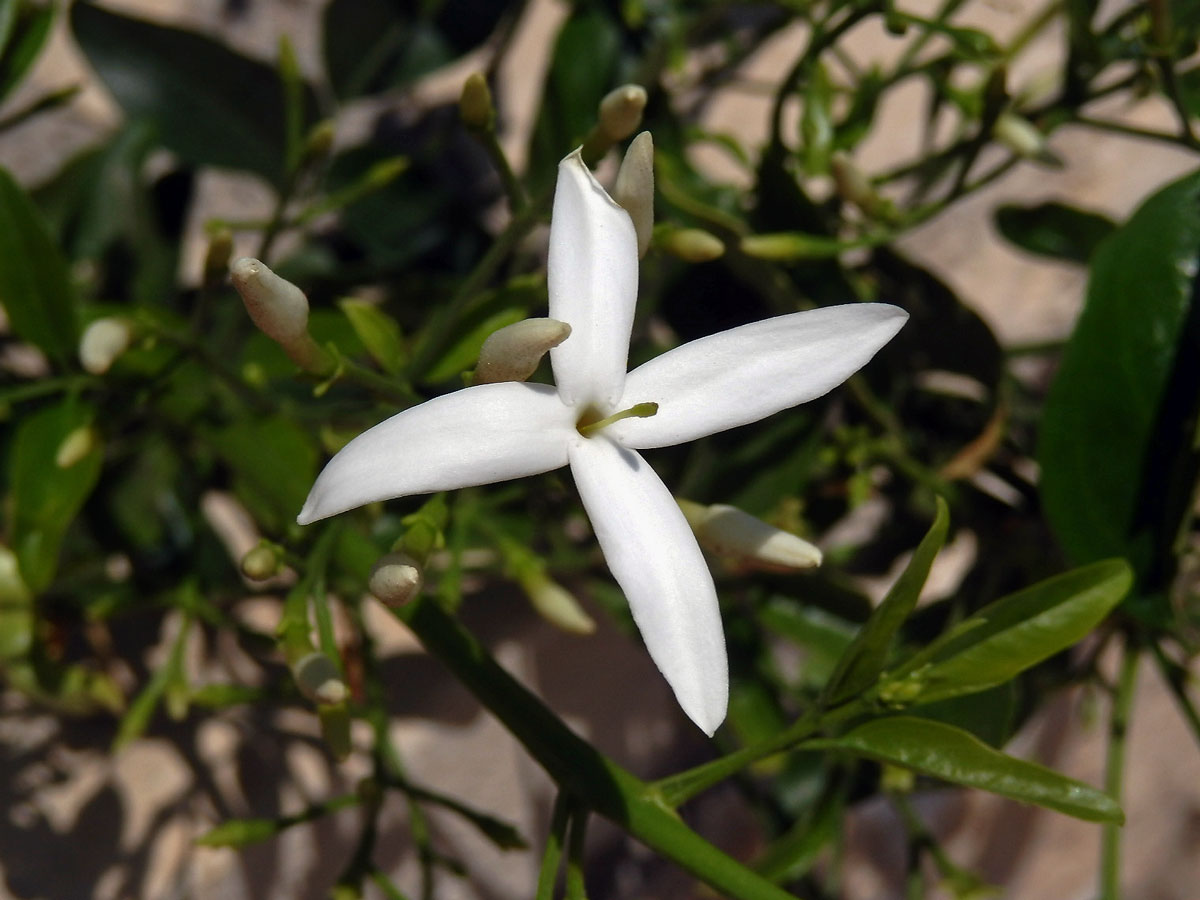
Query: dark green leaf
[
  {"x": 35, "y": 287},
  {"x": 1119, "y": 424},
  {"x": 48, "y": 490},
  {"x": 1054, "y": 229},
  {"x": 865, "y": 658},
  {"x": 274, "y": 464},
  {"x": 1010, "y": 635},
  {"x": 573, "y": 91},
  {"x": 208, "y": 104},
  {"x": 24, "y": 28},
  {"x": 948, "y": 753}
]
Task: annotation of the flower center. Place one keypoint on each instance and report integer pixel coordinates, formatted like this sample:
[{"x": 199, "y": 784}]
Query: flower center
[{"x": 590, "y": 422}]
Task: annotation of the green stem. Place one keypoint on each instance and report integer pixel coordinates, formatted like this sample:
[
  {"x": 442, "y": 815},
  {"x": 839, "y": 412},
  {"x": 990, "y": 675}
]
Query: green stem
[
  {"x": 1176, "y": 677},
  {"x": 575, "y": 765},
  {"x": 576, "y": 890},
  {"x": 552, "y": 856},
  {"x": 1114, "y": 774}
]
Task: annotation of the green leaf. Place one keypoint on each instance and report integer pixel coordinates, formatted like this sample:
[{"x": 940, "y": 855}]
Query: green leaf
[
  {"x": 208, "y": 104},
  {"x": 274, "y": 464},
  {"x": 573, "y": 91},
  {"x": 242, "y": 832},
  {"x": 951, "y": 754},
  {"x": 35, "y": 287},
  {"x": 859, "y": 667},
  {"x": 374, "y": 45},
  {"x": 378, "y": 331},
  {"x": 47, "y": 491},
  {"x": 1010, "y": 635},
  {"x": 1054, "y": 230},
  {"x": 24, "y": 28},
  {"x": 1117, "y": 443}
]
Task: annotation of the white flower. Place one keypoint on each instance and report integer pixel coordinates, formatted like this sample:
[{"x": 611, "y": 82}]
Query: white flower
[{"x": 493, "y": 432}]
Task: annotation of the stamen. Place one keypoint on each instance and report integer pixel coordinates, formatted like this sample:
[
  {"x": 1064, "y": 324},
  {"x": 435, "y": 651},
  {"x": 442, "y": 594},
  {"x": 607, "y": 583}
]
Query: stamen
[{"x": 637, "y": 411}]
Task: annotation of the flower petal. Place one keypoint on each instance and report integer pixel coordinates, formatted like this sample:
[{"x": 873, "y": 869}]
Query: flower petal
[
  {"x": 750, "y": 372},
  {"x": 478, "y": 435},
  {"x": 656, "y": 561},
  {"x": 592, "y": 277}
]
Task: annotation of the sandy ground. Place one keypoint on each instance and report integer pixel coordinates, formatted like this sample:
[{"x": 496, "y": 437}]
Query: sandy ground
[{"x": 78, "y": 822}]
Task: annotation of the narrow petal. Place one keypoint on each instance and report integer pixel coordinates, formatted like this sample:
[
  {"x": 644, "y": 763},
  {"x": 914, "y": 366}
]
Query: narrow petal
[
  {"x": 592, "y": 277},
  {"x": 748, "y": 373},
  {"x": 656, "y": 561},
  {"x": 478, "y": 435}
]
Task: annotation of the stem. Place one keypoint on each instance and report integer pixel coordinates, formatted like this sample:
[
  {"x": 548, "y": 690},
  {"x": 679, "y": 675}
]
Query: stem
[
  {"x": 1110, "y": 847},
  {"x": 554, "y": 847},
  {"x": 575, "y": 765},
  {"x": 1176, "y": 676},
  {"x": 576, "y": 889}
]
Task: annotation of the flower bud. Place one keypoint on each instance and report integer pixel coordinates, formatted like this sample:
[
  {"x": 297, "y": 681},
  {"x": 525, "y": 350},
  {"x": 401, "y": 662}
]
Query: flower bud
[
  {"x": 318, "y": 144},
  {"x": 1019, "y": 135},
  {"x": 634, "y": 189},
  {"x": 692, "y": 244},
  {"x": 513, "y": 352},
  {"x": 621, "y": 111},
  {"x": 475, "y": 106},
  {"x": 556, "y": 604},
  {"x": 395, "y": 579},
  {"x": 75, "y": 446},
  {"x": 728, "y": 531},
  {"x": 278, "y": 307},
  {"x": 102, "y": 342},
  {"x": 319, "y": 680},
  {"x": 852, "y": 184},
  {"x": 261, "y": 563}
]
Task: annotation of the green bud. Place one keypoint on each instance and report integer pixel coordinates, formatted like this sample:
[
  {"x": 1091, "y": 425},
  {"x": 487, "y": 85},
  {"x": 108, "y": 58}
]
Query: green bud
[
  {"x": 554, "y": 603},
  {"x": 75, "y": 446},
  {"x": 318, "y": 144},
  {"x": 1019, "y": 135},
  {"x": 216, "y": 259},
  {"x": 475, "y": 105},
  {"x": 692, "y": 244},
  {"x": 261, "y": 563}
]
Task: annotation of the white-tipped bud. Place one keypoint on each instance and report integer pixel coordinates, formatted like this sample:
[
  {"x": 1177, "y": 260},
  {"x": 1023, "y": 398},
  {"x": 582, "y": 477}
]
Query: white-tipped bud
[
  {"x": 102, "y": 342},
  {"x": 395, "y": 579},
  {"x": 621, "y": 111},
  {"x": 634, "y": 189},
  {"x": 319, "y": 680},
  {"x": 513, "y": 352},
  {"x": 75, "y": 446},
  {"x": 692, "y": 244},
  {"x": 278, "y": 307},
  {"x": 1019, "y": 135},
  {"x": 729, "y": 532},
  {"x": 556, "y": 605}
]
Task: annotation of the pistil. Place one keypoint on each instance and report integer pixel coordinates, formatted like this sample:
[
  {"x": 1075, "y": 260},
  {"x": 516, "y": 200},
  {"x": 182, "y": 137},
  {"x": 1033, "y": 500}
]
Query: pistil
[{"x": 637, "y": 411}]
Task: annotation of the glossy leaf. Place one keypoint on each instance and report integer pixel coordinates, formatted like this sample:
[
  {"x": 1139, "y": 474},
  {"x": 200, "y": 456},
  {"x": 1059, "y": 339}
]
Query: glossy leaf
[
  {"x": 274, "y": 464},
  {"x": 24, "y": 28},
  {"x": 378, "y": 331},
  {"x": 951, "y": 754},
  {"x": 1054, "y": 230},
  {"x": 47, "y": 494},
  {"x": 1010, "y": 635},
  {"x": 35, "y": 287},
  {"x": 208, "y": 104},
  {"x": 865, "y": 658},
  {"x": 573, "y": 91},
  {"x": 1116, "y": 448}
]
